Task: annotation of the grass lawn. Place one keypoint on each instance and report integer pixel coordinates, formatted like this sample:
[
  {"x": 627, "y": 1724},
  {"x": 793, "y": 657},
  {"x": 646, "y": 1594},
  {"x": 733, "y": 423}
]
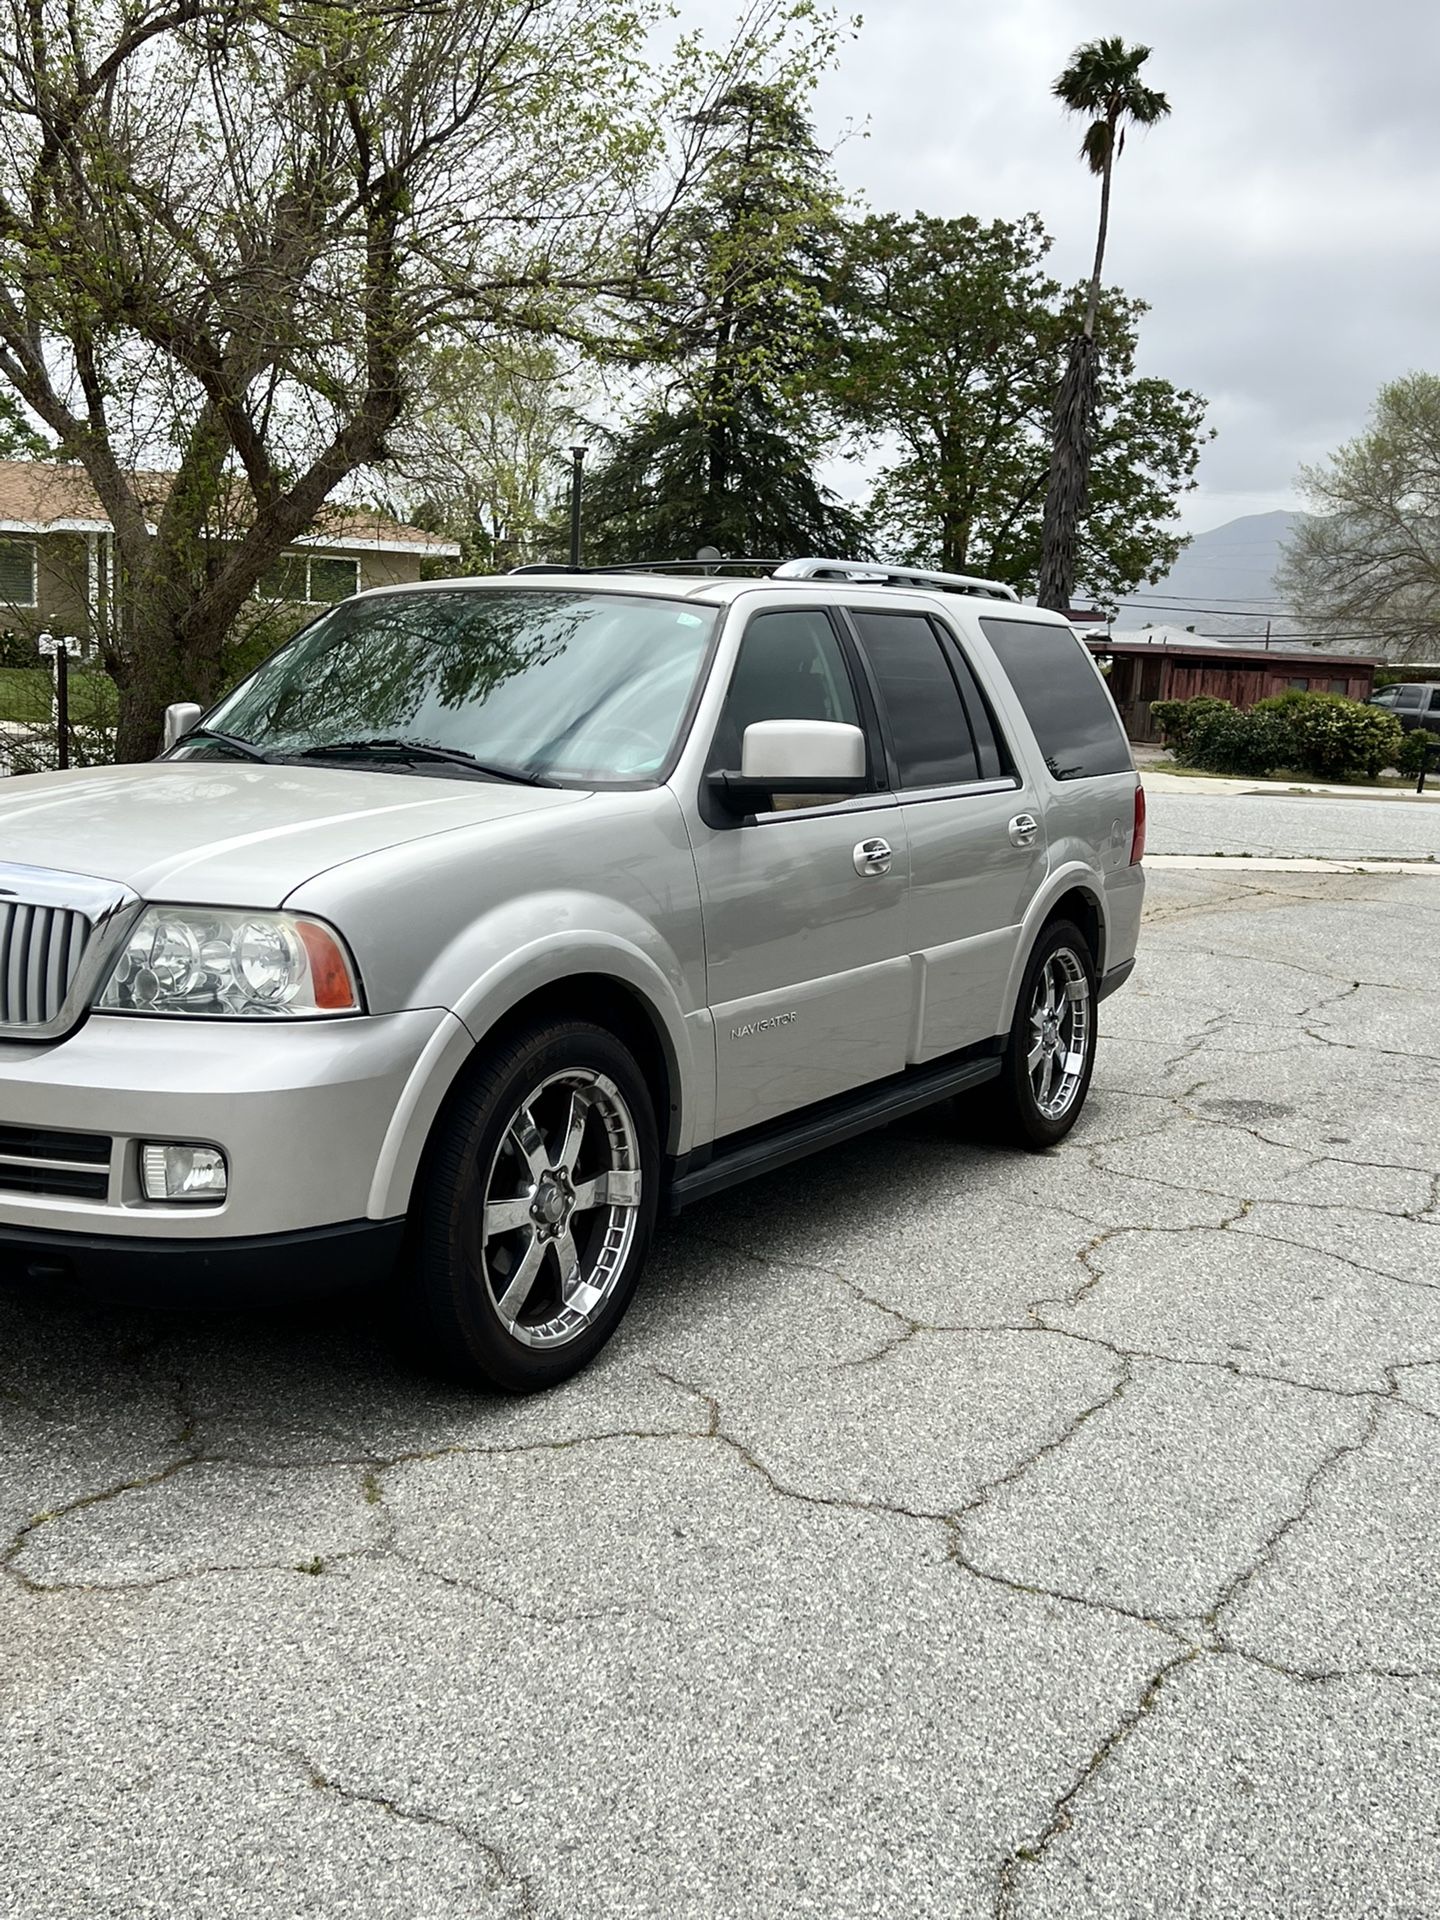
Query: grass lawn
[
  {"x": 26, "y": 695},
  {"x": 1280, "y": 778}
]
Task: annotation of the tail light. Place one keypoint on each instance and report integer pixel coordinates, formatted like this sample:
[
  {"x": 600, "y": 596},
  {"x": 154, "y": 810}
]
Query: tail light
[{"x": 1137, "y": 843}]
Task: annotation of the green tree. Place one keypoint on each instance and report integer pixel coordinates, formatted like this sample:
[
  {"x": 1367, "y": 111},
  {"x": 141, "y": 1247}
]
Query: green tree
[
  {"x": 229, "y": 228},
  {"x": 949, "y": 337},
  {"x": 1102, "y": 83},
  {"x": 725, "y": 456},
  {"x": 480, "y": 458},
  {"x": 1368, "y": 554},
  {"x": 18, "y": 439}
]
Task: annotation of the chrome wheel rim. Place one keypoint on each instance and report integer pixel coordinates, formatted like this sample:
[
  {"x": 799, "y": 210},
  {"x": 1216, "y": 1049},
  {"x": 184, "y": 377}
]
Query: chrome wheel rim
[
  {"x": 1060, "y": 1028},
  {"x": 562, "y": 1207}
]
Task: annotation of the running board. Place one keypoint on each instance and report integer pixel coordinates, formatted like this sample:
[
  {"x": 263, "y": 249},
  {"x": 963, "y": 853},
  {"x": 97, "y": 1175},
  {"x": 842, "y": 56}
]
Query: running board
[{"x": 819, "y": 1128}]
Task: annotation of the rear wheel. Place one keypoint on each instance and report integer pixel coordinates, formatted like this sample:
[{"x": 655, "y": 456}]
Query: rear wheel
[
  {"x": 536, "y": 1211},
  {"x": 1050, "y": 1055}
]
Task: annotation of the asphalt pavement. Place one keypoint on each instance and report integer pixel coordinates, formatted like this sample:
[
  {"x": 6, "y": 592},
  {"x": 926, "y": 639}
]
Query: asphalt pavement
[{"x": 948, "y": 1532}]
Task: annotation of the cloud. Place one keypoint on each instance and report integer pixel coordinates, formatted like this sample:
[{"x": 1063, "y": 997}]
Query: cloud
[{"x": 1281, "y": 222}]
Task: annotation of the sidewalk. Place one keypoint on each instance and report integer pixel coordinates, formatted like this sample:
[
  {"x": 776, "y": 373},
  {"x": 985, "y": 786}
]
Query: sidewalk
[{"x": 1157, "y": 781}]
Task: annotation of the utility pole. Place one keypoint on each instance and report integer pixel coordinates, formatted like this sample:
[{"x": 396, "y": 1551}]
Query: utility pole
[
  {"x": 1267, "y": 636},
  {"x": 577, "y": 455}
]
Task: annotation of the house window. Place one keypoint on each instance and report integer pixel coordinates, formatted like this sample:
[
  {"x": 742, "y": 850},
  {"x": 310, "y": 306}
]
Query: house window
[
  {"x": 299, "y": 580},
  {"x": 1339, "y": 686},
  {"x": 1300, "y": 686},
  {"x": 332, "y": 579},
  {"x": 17, "y": 573}
]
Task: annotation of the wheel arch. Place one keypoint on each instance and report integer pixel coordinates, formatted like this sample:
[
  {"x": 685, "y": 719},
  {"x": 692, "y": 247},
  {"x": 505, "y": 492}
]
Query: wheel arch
[
  {"x": 1072, "y": 893},
  {"x": 604, "y": 997}
]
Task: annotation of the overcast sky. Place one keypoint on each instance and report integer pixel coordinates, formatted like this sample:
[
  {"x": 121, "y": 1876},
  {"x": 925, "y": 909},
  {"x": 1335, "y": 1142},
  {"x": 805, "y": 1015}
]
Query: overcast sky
[{"x": 1281, "y": 223}]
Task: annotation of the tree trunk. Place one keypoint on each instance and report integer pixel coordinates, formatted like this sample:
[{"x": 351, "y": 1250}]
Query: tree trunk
[
  {"x": 1093, "y": 303},
  {"x": 1069, "y": 476}
]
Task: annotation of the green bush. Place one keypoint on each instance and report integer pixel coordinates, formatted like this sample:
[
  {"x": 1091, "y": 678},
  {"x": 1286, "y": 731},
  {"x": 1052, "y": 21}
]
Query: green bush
[
  {"x": 1419, "y": 748},
  {"x": 1178, "y": 719},
  {"x": 1334, "y": 738},
  {"x": 1232, "y": 741}
]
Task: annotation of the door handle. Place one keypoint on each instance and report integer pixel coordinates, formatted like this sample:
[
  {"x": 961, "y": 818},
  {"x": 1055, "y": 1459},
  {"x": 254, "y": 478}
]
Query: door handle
[
  {"x": 872, "y": 857},
  {"x": 1023, "y": 829}
]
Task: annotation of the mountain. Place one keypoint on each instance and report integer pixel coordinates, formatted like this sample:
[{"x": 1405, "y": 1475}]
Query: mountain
[{"x": 1223, "y": 583}]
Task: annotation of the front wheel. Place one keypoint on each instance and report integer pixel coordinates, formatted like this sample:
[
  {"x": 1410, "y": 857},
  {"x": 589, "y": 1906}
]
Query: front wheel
[
  {"x": 1050, "y": 1055},
  {"x": 537, "y": 1207}
]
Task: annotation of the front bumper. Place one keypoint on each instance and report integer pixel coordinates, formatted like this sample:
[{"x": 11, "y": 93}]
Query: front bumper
[
  {"x": 305, "y": 1113},
  {"x": 207, "y": 1273}
]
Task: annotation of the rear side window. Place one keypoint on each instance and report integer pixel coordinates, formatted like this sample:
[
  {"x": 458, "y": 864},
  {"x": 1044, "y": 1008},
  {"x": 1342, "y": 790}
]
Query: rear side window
[
  {"x": 1065, "y": 701},
  {"x": 1435, "y": 701},
  {"x": 931, "y": 734}
]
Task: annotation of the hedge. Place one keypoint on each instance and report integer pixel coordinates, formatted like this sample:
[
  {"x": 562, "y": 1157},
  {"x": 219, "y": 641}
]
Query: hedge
[{"x": 1323, "y": 735}]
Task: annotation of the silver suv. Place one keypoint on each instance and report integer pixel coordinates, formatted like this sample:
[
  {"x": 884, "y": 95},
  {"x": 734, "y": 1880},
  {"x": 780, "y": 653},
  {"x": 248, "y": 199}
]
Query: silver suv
[{"x": 490, "y": 916}]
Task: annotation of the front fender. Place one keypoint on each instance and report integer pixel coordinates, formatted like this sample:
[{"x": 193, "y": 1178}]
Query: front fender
[{"x": 518, "y": 950}]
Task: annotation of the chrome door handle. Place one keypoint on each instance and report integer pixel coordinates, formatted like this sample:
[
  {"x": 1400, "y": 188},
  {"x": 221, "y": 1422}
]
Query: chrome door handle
[
  {"x": 1023, "y": 829},
  {"x": 872, "y": 857}
]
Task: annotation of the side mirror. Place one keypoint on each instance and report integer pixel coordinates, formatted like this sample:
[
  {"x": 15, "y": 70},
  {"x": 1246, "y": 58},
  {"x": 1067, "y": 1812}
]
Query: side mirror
[
  {"x": 792, "y": 757},
  {"x": 821, "y": 752},
  {"x": 179, "y": 720}
]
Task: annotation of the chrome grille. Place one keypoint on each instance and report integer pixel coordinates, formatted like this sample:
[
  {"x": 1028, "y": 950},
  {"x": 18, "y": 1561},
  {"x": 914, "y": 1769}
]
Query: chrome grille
[
  {"x": 41, "y": 949},
  {"x": 72, "y": 1166},
  {"x": 58, "y": 934}
]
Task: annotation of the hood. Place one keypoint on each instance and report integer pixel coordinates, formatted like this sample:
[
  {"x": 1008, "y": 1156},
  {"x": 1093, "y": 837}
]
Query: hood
[{"x": 235, "y": 834}]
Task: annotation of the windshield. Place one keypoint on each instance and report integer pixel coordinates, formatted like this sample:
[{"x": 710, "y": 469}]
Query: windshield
[{"x": 540, "y": 684}]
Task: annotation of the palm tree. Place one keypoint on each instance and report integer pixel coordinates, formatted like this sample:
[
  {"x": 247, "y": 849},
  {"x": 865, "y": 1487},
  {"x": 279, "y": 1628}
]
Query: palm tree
[{"x": 1102, "y": 82}]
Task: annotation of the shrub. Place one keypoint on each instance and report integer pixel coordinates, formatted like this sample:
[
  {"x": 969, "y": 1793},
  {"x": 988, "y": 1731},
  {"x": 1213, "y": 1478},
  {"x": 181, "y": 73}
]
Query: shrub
[
  {"x": 1178, "y": 719},
  {"x": 1231, "y": 741},
  {"x": 1333, "y": 738},
  {"x": 1419, "y": 748}
]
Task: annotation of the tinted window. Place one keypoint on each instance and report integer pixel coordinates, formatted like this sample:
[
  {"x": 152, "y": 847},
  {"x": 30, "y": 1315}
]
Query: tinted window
[
  {"x": 1435, "y": 701},
  {"x": 932, "y": 738},
  {"x": 1067, "y": 704},
  {"x": 993, "y": 754},
  {"x": 1407, "y": 696},
  {"x": 790, "y": 668}
]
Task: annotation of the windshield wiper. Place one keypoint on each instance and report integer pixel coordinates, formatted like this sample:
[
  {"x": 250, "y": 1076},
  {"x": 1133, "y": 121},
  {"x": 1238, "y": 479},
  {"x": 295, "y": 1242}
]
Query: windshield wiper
[
  {"x": 246, "y": 749},
  {"x": 421, "y": 750}
]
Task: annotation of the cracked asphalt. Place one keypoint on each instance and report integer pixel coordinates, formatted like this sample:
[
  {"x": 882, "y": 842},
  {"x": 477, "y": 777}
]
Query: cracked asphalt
[{"x": 946, "y": 1533}]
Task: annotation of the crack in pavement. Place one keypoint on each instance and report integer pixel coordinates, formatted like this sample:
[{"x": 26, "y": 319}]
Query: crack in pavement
[
  {"x": 503, "y": 1877},
  {"x": 1061, "y": 1813}
]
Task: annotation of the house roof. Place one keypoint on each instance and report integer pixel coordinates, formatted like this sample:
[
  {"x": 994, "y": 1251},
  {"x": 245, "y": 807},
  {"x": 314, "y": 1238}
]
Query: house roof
[
  {"x": 1224, "y": 654},
  {"x": 44, "y": 496}
]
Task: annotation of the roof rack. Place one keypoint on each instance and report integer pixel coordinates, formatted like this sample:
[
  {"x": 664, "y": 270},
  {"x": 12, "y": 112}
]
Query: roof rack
[
  {"x": 867, "y": 573},
  {"x": 762, "y": 567},
  {"x": 860, "y": 573}
]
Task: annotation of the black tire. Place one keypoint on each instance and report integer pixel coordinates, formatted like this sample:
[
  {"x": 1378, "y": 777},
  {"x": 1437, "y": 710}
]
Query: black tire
[
  {"x": 476, "y": 1151},
  {"x": 1013, "y": 1101}
]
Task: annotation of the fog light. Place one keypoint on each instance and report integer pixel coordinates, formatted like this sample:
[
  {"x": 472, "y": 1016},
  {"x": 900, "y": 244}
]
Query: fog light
[{"x": 182, "y": 1173}]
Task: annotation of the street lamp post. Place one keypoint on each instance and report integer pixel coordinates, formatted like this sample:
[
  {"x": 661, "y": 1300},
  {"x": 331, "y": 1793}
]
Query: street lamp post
[{"x": 577, "y": 455}]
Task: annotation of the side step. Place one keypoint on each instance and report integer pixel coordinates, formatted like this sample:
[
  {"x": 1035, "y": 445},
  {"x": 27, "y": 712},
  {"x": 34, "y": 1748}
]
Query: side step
[{"x": 818, "y": 1127}]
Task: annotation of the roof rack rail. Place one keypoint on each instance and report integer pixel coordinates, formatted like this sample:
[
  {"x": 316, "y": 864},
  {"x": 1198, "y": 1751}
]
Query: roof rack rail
[
  {"x": 869, "y": 573},
  {"x": 860, "y": 573},
  {"x": 763, "y": 567}
]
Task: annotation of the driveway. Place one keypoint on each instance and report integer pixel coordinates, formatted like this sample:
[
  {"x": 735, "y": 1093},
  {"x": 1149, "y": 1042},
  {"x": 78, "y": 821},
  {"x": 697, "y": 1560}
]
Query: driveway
[{"x": 947, "y": 1532}]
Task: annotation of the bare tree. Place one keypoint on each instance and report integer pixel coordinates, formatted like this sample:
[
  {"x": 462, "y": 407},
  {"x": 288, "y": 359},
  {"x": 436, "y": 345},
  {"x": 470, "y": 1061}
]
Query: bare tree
[
  {"x": 228, "y": 228},
  {"x": 1367, "y": 556}
]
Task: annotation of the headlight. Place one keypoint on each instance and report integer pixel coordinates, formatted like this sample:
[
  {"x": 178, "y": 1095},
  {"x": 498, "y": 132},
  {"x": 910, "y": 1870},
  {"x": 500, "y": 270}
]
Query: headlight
[{"x": 221, "y": 961}]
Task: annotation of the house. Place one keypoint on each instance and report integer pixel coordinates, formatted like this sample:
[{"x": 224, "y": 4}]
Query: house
[
  {"x": 1178, "y": 667},
  {"x": 57, "y": 553}
]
